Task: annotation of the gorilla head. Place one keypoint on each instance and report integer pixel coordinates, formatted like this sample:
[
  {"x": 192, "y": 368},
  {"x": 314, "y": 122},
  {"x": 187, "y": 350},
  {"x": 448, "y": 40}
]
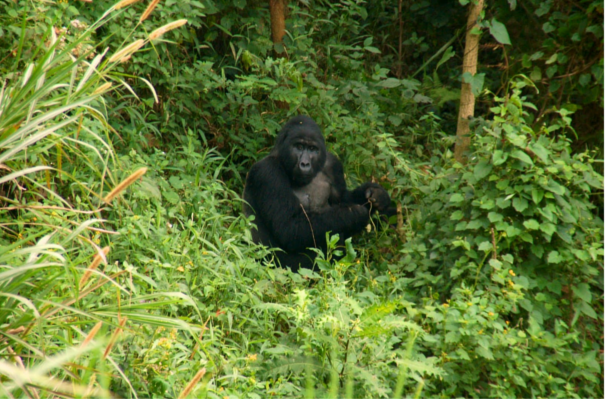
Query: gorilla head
[{"x": 301, "y": 149}]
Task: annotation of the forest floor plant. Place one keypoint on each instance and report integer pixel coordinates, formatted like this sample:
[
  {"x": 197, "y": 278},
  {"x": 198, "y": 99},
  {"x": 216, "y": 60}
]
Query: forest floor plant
[
  {"x": 489, "y": 284},
  {"x": 57, "y": 158}
]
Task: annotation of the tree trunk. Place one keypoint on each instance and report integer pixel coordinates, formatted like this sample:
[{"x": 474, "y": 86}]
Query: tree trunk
[
  {"x": 467, "y": 99},
  {"x": 277, "y": 9},
  {"x": 399, "y": 53}
]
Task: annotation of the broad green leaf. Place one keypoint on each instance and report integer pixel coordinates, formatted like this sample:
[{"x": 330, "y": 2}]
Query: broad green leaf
[
  {"x": 587, "y": 310},
  {"x": 580, "y": 254},
  {"x": 540, "y": 151},
  {"x": 518, "y": 380},
  {"x": 474, "y": 224},
  {"x": 484, "y": 352},
  {"x": 494, "y": 216},
  {"x": 552, "y": 59},
  {"x": 499, "y": 157},
  {"x": 457, "y": 215},
  {"x": 482, "y": 169},
  {"x": 456, "y": 198},
  {"x": 538, "y": 250},
  {"x": 521, "y": 155},
  {"x": 460, "y": 226},
  {"x": 488, "y": 204},
  {"x": 548, "y": 228},
  {"x": 395, "y": 120},
  {"x": 584, "y": 79},
  {"x": 537, "y": 195},
  {"x": 501, "y": 225},
  {"x": 502, "y": 184},
  {"x": 452, "y": 337},
  {"x": 526, "y": 237},
  {"x": 547, "y": 212},
  {"x": 499, "y": 32},
  {"x": 547, "y": 27},
  {"x": 512, "y": 231},
  {"x": 554, "y": 187},
  {"x": 503, "y": 203},
  {"x": 485, "y": 246},
  {"x": 563, "y": 234},
  {"x": 582, "y": 291},
  {"x": 554, "y": 257},
  {"x": 390, "y": 83},
  {"x": 594, "y": 180},
  {"x": 520, "y": 204},
  {"x": 531, "y": 224},
  {"x": 496, "y": 264},
  {"x": 476, "y": 81},
  {"x": 462, "y": 354},
  {"x": 536, "y": 74}
]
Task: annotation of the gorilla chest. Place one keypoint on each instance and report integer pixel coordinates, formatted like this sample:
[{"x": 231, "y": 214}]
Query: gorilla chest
[{"x": 315, "y": 196}]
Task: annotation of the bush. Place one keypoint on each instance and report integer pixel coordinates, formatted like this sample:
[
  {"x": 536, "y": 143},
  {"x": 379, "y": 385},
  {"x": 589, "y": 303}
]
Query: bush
[{"x": 506, "y": 252}]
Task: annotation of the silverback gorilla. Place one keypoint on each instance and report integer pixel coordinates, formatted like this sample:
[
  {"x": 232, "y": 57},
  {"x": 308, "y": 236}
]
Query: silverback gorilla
[{"x": 298, "y": 193}]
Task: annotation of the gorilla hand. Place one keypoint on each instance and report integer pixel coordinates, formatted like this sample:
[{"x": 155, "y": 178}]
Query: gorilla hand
[{"x": 377, "y": 196}]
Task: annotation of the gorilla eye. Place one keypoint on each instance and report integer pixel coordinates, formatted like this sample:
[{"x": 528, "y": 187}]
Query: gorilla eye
[
  {"x": 298, "y": 147},
  {"x": 313, "y": 148}
]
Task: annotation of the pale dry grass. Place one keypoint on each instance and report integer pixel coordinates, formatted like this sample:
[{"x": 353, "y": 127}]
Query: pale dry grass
[
  {"x": 127, "y": 51},
  {"x": 124, "y": 184},
  {"x": 200, "y": 374},
  {"x": 166, "y": 28},
  {"x": 149, "y": 10},
  {"x": 124, "y": 3},
  {"x": 94, "y": 265}
]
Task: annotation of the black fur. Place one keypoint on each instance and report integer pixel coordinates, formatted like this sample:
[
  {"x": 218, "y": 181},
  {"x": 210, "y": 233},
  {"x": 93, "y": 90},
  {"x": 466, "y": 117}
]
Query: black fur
[{"x": 298, "y": 193}]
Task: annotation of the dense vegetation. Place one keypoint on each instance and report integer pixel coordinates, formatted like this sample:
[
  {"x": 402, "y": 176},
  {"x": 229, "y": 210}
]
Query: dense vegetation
[{"x": 126, "y": 264}]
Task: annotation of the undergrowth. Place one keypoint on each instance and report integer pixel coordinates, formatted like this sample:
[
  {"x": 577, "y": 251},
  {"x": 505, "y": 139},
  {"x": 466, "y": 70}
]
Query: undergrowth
[{"x": 127, "y": 267}]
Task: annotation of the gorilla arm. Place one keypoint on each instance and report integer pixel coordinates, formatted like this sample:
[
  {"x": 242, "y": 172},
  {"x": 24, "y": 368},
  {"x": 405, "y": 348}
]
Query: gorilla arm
[
  {"x": 269, "y": 193},
  {"x": 370, "y": 194}
]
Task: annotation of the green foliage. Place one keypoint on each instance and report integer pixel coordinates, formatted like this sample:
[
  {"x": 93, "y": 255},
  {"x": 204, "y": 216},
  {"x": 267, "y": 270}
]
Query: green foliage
[
  {"x": 490, "y": 285},
  {"x": 52, "y": 120},
  {"x": 510, "y": 246}
]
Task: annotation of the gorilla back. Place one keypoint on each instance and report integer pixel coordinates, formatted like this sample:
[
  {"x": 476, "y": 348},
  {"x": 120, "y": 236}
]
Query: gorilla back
[{"x": 298, "y": 194}]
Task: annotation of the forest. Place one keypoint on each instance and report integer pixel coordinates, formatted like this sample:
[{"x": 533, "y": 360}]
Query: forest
[{"x": 127, "y": 264}]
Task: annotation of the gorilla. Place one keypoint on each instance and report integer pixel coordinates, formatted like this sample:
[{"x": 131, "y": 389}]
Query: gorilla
[{"x": 298, "y": 193}]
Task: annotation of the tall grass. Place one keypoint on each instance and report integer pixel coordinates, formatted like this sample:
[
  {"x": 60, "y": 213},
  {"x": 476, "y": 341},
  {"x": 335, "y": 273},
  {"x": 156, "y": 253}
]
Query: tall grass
[{"x": 57, "y": 161}]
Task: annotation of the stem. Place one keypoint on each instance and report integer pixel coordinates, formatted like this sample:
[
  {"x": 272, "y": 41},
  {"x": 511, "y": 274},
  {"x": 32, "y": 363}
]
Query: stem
[
  {"x": 438, "y": 53},
  {"x": 467, "y": 99},
  {"x": 403, "y": 370},
  {"x": 400, "y": 55}
]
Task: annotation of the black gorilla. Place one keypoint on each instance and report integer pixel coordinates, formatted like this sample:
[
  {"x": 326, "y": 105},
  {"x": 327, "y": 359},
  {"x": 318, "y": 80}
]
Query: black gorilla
[{"x": 298, "y": 193}]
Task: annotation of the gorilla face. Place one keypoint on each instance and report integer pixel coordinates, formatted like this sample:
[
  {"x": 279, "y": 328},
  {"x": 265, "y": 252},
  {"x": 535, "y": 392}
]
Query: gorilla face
[
  {"x": 301, "y": 149},
  {"x": 305, "y": 159}
]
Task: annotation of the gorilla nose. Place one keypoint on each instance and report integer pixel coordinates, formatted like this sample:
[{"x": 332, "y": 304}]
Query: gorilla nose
[{"x": 305, "y": 166}]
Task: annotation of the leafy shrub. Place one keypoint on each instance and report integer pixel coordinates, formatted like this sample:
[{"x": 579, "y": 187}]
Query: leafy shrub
[{"x": 506, "y": 251}]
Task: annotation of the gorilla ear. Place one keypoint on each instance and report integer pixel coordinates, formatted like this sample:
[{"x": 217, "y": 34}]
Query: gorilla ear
[
  {"x": 281, "y": 137},
  {"x": 279, "y": 141}
]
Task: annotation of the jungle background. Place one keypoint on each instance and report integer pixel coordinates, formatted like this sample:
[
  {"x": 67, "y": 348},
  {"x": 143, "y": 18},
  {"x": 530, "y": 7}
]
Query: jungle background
[{"x": 127, "y": 267}]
